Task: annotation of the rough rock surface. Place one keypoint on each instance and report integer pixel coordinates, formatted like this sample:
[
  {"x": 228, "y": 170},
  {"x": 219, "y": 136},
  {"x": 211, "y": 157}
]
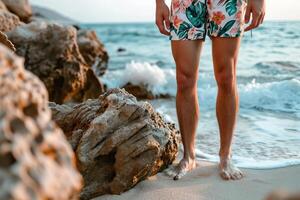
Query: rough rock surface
[
  {"x": 93, "y": 51},
  {"x": 51, "y": 52},
  {"x": 4, "y": 40},
  {"x": 141, "y": 92},
  {"x": 36, "y": 159},
  {"x": 8, "y": 21},
  {"x": 21, "y": 8},
  {"x": 2, "y": 6},
  {"x": 118, "y": 141}
]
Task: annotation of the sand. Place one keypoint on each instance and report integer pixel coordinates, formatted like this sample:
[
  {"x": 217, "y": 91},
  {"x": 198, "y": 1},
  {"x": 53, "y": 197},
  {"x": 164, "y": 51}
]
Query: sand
[{"x": 204, "y": 184}]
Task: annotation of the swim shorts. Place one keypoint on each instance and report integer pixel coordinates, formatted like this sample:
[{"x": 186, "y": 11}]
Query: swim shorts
[{"x": 194, "y": 19}]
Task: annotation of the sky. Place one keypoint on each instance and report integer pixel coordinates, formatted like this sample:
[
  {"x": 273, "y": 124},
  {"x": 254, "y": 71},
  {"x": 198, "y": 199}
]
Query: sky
[{"x": 95, "y": 11}]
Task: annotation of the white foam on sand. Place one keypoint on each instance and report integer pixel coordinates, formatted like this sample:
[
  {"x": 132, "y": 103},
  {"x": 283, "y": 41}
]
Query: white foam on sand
[{"x": 249, "y": 163}]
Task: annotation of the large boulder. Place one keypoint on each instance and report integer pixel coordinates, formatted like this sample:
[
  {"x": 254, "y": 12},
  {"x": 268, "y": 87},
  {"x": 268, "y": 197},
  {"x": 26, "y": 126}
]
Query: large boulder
[
  {"x": 118, "y": 141},
  {"x": 93, "y": 51},
  {"x": 51, "y": 52},
  {"x": 36, "y": 161},
  {"x": 21, "y": 8},
  {"x": 8, "y": 21}
]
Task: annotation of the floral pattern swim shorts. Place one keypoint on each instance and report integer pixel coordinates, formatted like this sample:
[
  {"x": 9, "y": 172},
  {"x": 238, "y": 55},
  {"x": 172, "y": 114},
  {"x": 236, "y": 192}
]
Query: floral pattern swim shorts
[{"x": 193, "y": 19}]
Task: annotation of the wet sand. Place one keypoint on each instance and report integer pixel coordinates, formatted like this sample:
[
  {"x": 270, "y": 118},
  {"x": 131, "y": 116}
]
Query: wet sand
[{"x": 204, "y": 184}]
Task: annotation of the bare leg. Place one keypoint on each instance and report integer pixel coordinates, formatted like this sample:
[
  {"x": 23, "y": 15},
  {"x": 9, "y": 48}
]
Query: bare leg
[
  {"x": 225, "y": 56},
  {"x": 186, "y": 55}
]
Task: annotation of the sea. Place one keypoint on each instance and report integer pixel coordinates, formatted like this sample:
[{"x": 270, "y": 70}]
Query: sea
[{"x": 267, "y": 134}]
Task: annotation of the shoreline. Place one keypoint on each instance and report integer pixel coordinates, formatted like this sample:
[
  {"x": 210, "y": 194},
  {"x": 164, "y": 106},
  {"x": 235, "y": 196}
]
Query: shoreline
[{"x": 204, "y": 183}]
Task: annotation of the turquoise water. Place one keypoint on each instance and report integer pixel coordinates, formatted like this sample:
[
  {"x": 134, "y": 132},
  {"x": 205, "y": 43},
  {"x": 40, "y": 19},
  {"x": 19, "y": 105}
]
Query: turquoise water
[{"x": 268, "y": 129}]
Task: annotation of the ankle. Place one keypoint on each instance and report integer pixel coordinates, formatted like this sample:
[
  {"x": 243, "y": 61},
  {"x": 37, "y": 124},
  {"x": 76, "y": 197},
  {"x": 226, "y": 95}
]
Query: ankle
[
  {"x": 224, "y": 155},
  {"x": 189, "y": 156}
]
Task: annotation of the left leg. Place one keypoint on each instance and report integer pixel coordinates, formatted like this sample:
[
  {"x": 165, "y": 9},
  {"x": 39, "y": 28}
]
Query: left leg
[{"x": 225, "y": 56}]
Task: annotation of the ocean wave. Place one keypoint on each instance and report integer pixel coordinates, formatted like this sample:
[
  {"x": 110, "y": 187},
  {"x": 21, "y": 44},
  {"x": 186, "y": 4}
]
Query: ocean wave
[
  {"x": 156, "y": 79},
  {"x": 282, "y": 95},
  {"x": 279, "y": 96}
]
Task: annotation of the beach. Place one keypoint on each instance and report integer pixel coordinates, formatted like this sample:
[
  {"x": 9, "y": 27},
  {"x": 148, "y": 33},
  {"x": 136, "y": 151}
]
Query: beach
[
  {"x": 204, "y": 184},
  {"x": 89, "y": 110}
]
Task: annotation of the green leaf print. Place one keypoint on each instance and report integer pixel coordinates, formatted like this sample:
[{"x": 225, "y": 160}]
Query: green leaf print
[
  {"x": 196, "y": 13},
  {"x": 183, "y": 30},
  {"x": 226, "y": 27},
  {"x": 230, "y": 5},
  {"x": 212, "y": 27}
]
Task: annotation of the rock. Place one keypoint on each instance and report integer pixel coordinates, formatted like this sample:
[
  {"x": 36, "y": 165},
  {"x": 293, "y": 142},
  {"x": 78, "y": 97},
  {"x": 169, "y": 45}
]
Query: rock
[
  {"x": 21, "y": 8},
  {"x": 8, "y": 21},
  {"x": 4, "y": 40},
  {"x": 120, "y": 49},
  {"x": 283, "y": 195},
  {"x": 2, "y": 6},
  {"x": 51, "y": 52},
  {"x": 45, "y": 14},
  {"x": 93, "y": 51},
  {"x": 36, "y": 160},
  {"x": 141, "y": 92},
  {"x": 118, "y": 141}
]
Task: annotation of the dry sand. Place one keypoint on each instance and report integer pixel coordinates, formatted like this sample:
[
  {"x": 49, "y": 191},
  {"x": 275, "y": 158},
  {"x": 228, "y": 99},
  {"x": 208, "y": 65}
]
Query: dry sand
[{"x": 204, "y": 184}]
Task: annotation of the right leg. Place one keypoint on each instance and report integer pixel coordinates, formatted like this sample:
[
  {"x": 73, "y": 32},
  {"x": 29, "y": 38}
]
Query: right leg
[{"x": 186, "y": 54}]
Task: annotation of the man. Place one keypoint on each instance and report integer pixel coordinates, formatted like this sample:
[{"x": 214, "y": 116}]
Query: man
[{"x": 186, "y": 24}]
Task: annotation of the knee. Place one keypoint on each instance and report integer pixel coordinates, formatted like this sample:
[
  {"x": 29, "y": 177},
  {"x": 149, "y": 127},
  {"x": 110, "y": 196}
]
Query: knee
[
  {"x": 226, "y": 81},
  {"x": 186, "y": 82}
]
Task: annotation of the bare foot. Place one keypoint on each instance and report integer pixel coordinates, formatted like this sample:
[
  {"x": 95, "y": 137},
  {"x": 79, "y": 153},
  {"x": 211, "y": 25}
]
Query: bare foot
[
  {"x": 184, "y": 166},
  {"x": 228, "y": 171}
]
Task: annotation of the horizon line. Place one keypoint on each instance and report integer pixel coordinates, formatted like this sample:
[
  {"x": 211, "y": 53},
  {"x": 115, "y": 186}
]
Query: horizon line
[{"x": 149, "y": 22}]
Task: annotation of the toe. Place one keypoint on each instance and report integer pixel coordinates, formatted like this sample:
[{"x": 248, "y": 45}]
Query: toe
[
  {"x": 237, "y": 175},
  {"x": 171, "y": 171},
  {"x": 241, "y": 175},
  {"x": 180, "y": 175},
  {"x": 225, "y": 175}
]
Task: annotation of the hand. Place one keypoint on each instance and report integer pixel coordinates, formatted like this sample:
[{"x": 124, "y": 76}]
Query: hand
[
  {"x": 162, "y": 17},
  {"x": 256, "y": 8}
]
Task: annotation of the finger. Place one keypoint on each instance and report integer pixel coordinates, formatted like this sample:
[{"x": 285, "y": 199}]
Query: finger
[
  {"x": 247, "y": 15},
  {"x": 160, "y": 25},
  {"x": 262, "y": 18},
  {"x": 167, "y": 21},
  {"x": 254, "y": 22}
]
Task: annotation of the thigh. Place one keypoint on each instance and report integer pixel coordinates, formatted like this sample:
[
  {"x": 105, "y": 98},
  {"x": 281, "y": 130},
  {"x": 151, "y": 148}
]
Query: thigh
[
  {"x": 186, "y": 54},
  {"x": 225, "y": 54}
]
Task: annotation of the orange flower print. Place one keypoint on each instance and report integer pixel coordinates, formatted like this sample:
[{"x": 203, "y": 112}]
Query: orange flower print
[
  {"x": 181, "y": 5},
  {"x": 175, "y": 4},
  {"x": 234, "y": 30},
  {"x": 187, "y": 3},
  {"x": 218, "y": 17},
  {"x": 177, "y": 21},
  {"x": 239, "y": 15},
  {"x": 192, "y": 32}
]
